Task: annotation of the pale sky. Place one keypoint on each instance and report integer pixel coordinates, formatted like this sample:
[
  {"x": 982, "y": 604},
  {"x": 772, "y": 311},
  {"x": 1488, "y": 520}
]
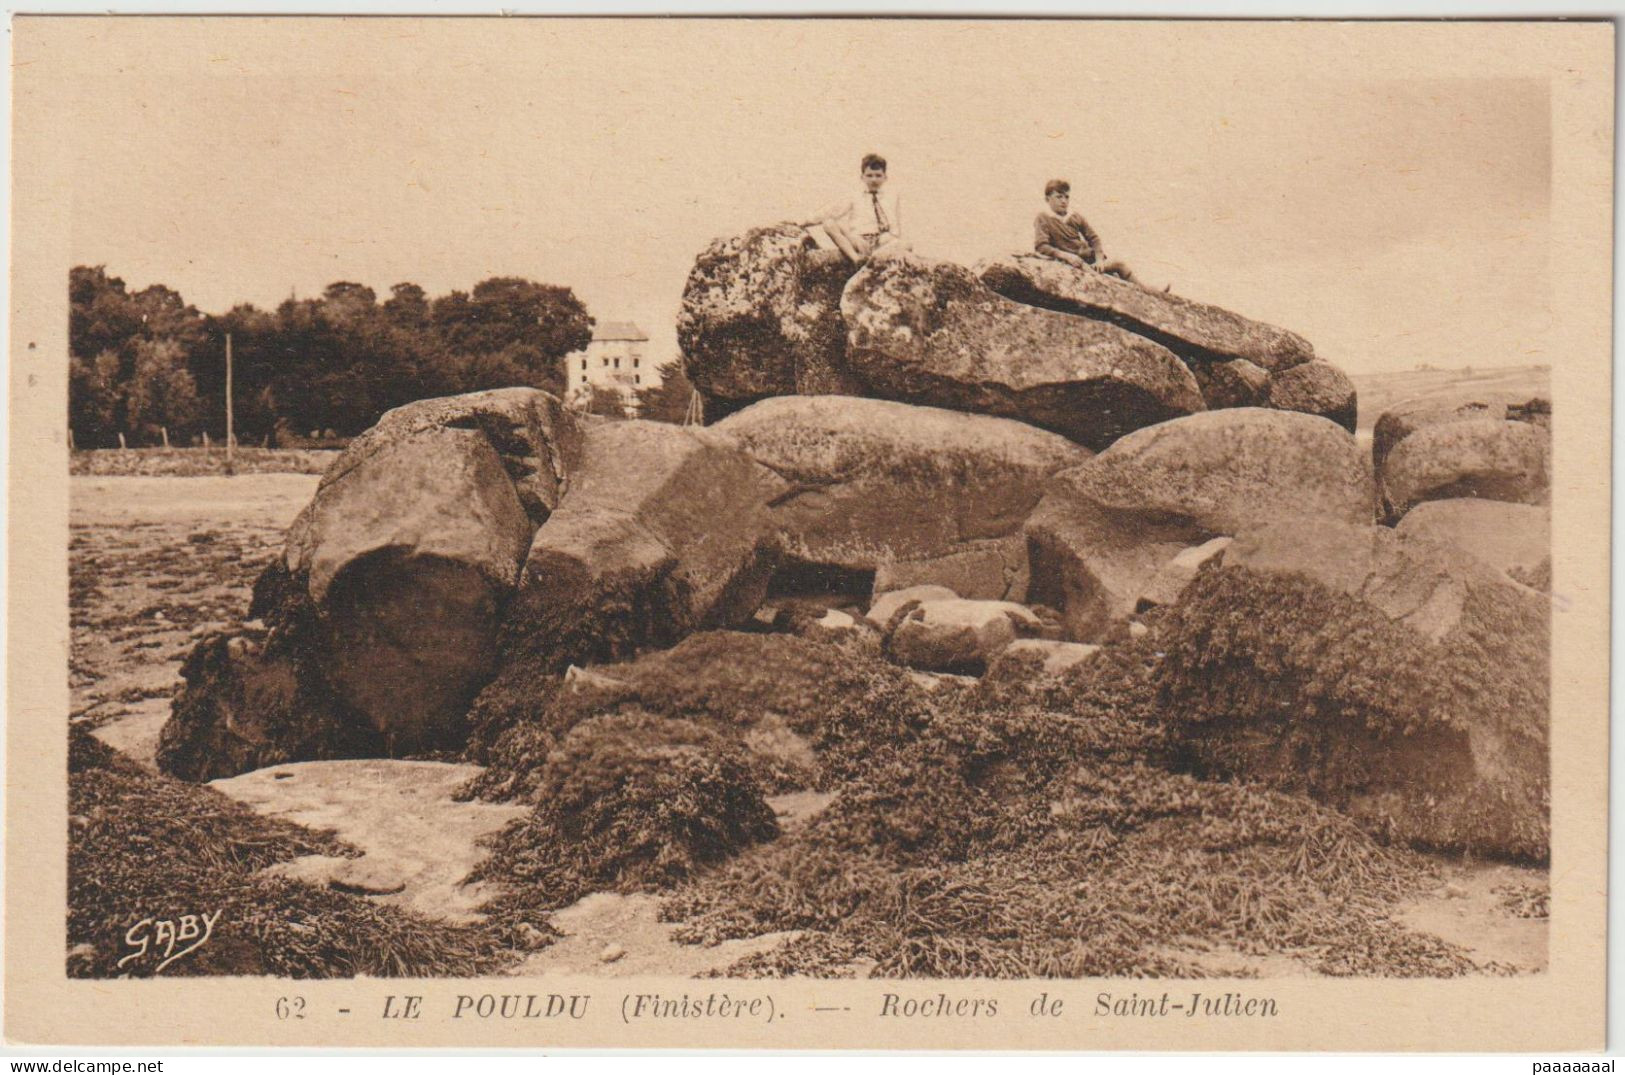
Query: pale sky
[{"x": 1391, "y": 220}]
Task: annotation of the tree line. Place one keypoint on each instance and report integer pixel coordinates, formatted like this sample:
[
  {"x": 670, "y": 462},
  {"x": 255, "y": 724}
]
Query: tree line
[{"x": 147, "y": 364}]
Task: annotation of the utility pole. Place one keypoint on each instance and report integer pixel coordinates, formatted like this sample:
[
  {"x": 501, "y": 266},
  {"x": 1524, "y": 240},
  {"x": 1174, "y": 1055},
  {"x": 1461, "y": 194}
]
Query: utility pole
[{"x": 230, "y": 437}]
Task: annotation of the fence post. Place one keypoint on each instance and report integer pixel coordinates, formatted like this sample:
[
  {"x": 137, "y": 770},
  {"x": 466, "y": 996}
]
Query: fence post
[{"x": 231, "y": 438}]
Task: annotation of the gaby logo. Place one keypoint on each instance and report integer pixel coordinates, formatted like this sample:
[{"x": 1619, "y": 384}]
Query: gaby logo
[{"x": 169, "y": 938}]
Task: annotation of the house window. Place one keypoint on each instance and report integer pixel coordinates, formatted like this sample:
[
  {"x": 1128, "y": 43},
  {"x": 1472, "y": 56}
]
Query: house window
[
  {"x": 634, "y": 363},
  {"x": 637, "y": 378},
  {"x": 617, "y": 363},
  {"x": 583, "y": 365}
]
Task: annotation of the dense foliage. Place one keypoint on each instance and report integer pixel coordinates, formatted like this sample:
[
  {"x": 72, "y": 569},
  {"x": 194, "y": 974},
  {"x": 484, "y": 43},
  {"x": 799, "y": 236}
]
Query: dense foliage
[
  {"x": 144, "y": 362},
  {"x": 668, "y": 401}
]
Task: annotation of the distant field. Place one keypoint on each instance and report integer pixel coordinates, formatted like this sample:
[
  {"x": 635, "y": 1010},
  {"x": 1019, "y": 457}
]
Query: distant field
[
  {"x": 1379, "y": 391},
  {"x": 193, "y": 462}
]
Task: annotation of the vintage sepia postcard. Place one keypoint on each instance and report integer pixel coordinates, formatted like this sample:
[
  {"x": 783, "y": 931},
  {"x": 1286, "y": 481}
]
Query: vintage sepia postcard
[{"x": 808, "y": 533}]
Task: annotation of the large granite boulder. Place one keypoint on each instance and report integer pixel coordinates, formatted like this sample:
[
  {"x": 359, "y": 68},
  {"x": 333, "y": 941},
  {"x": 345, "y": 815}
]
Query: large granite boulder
[
  {"x": 1195, "y": 331},
  {"x": 1315, "y": 388},
  {"x": 1106, "y": 528},
  {"x": 413, "y": 543},
  {"x": 932, "y": 333},
  {"x": 1514, "y": 538},
  {"x": 665, "y": 530},
  {"x": 1488, "y": 458},
  {"x": 761, "y": 317},
  {"x": 383, "y": 612},
  {"x": 917, "y": 493},
  {"x": 440, "y": 497},
  {"x": 1387, "y": 674},
  {"x": 534, "y": 435},
  {"x": 1237, "y": 383},
  {"x": 1402, "y": 419}
]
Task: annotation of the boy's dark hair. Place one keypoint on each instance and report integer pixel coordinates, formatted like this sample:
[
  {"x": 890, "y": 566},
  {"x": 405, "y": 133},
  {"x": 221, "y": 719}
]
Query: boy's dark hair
[
  {"x": 872, "y": 160},
  {"x": 1057, "y": 186}
]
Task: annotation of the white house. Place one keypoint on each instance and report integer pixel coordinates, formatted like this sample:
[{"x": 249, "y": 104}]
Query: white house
[{"x": 616, "y": 359}]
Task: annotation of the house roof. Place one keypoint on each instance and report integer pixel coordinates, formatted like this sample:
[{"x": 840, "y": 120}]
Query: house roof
[{"x": 618, "y": 330}]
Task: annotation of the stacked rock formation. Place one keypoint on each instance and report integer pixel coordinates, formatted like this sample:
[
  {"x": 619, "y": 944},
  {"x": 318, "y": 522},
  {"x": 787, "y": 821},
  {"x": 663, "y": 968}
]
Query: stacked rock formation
[
  {"x": 768, "y": 313},
  {"x": 960, "y": 469},
  {"x": 1237, "y": 362},
  {"x": 464, "y": 539},
  {"x": 906, "y": 494}
]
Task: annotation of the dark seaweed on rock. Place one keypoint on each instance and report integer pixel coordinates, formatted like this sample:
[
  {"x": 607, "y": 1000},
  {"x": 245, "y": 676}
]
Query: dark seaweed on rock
[
  {"x": 1432, "y": 744},
  {"x": 731, "y": 682},
  {"x": 627, "y": 801},
  {"x": 257, "y": 697},
  {"x": 1026, "y": 828},
  {"x": 1112, "y": 876},
  {"x": 143, "y": 846}
]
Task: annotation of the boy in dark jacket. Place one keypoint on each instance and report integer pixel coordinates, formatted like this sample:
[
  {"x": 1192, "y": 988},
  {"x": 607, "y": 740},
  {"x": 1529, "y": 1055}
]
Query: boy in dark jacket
[{"x": 1068, "y": 237}]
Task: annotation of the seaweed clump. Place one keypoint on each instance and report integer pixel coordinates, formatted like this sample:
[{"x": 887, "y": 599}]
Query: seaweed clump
[
  {"x": 628, "y": 801},
  {"x": 254, "y": 697},
  {"x": 1440, "y": 744},
  {"x": 1028, "y": 827},
  {"x": 145, "y": 847},
  {"x": 1024, "y": 826},
  {"x": 784, "y": 700}
]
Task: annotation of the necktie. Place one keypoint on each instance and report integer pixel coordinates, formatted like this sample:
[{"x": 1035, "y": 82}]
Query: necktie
[{"x": 880, "y": 214}]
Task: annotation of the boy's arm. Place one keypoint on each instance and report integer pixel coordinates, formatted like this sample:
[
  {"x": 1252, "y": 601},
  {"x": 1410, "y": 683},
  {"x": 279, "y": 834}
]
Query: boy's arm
[
  {"x": 1094, "y": 240},
  {"x": 836, "y": 211},
  {"x": 1041, "y": 238},
  {"x": 1042, "y": 244},
  {"x": 833, "y": 211}
]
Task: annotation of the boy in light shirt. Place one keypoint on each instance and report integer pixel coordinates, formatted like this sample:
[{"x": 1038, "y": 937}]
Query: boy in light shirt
[{"x": 870, "y": 222}]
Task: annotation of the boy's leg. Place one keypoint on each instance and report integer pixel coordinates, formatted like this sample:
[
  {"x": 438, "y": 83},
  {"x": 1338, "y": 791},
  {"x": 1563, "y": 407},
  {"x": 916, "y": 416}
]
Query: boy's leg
[
  {"x": 1119, "y": 270},
  {"x": 855, "y": 249},
  {"x": 889, "y": 247}
]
